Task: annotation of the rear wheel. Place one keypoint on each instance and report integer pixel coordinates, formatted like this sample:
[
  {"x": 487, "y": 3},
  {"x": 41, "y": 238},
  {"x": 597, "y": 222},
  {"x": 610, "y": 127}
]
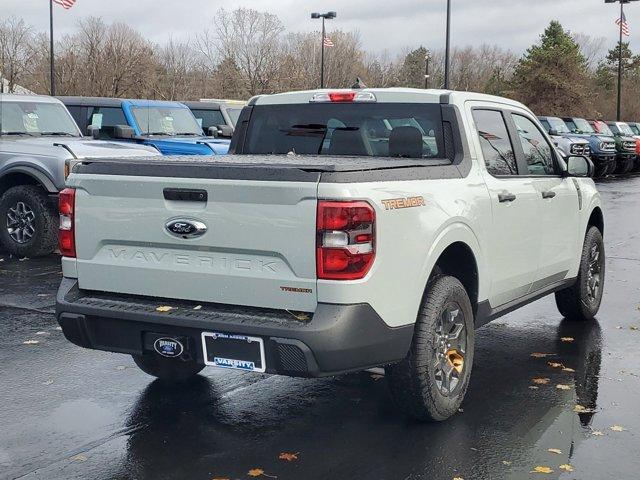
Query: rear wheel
[
  {"x": 430, "y": 383},
  {"x": 170, "y": 369},
  {"x": 582, "y": 300},
  {"x": 28, "y": 222}
]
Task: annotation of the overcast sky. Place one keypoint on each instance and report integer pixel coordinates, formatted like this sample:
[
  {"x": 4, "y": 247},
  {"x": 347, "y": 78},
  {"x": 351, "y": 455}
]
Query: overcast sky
[{"x": 383, "y": 25}]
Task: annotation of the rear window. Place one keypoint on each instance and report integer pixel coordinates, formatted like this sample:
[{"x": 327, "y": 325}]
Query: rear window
[{"x": 347, "y": 129}]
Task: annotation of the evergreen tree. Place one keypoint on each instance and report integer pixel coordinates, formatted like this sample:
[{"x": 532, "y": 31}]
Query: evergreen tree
[
  {"x": 413, "y": 67},
  {"x": 551, "y": 78}
]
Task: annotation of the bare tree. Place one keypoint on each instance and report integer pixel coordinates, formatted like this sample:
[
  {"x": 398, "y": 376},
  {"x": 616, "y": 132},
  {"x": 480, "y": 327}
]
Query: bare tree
[
  {"x": 593, "y": 48},
  {"x": 16, "y": 52}
]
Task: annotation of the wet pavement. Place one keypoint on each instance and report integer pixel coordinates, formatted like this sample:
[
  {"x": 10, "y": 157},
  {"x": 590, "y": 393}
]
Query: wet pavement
[{"x": 71, "y": 413}]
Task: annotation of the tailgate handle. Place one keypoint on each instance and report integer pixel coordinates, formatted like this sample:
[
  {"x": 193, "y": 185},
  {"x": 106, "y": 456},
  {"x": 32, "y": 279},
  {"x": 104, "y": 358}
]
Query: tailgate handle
[{"x": 185, "y": 194}]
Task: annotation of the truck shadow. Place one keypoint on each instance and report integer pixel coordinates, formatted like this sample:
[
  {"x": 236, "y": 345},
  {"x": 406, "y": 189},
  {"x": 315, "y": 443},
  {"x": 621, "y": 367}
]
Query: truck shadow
[{"x": 347, "y": 427}]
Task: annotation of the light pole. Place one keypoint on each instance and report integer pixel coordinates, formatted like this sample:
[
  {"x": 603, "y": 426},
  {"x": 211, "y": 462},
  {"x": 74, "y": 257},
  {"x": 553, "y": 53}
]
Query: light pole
[
  {"x": 328, "y": 16},
  {"x": 427, "y": 57},
  {"x": 447, "y": 49},
  {"x": 622, "y": 24}
]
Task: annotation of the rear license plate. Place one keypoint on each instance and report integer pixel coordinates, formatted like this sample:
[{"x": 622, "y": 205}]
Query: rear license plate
[{"x": 228, "y": 350}]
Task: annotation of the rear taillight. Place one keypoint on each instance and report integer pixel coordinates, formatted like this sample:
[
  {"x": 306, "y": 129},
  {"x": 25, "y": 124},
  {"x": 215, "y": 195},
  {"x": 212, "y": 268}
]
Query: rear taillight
[
  {"x": 345, "y": 239},
  {"x": 343, "y": 96},
  {"x": 66, "y": 235}
]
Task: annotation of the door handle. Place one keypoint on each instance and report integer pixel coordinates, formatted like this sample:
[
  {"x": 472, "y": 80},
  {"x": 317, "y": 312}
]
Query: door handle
[
  {"x": 506, "y": 197},
  {"x": 549, "y": 194}
]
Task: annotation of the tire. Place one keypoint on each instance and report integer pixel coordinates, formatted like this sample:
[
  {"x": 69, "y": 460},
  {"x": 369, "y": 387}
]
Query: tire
[
  {"x": 168, "y": 369},
  {"x": 28, "y": 222},
  {"x": 417, "y": 383},
  {"x": 582, "y": 300}
]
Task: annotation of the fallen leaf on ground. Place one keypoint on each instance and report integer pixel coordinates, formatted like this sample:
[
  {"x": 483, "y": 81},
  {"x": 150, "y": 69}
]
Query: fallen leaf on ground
[
  {"x": 42, "y": 333},
  {"x": 540, "y": 380},
  {"x": 568, "y": 370},
  {"x": 542, "y": 470},
  {"x": 583, "y": 409},
  {"x": 79, "y": 458},
  {"x": 560, "y": 386},
  {"x": 617, "y": 428},
  {"x": 557, "y": 451},
  {"x": 505, "y": 462},
  {"x": 197, "y": 307},
  {"x": 555, "y": 365},
  {"x": 289, "y": 457},
  {"x": 256, "y": 472},
  {"x": 566, "y": 468},
  {"x": 48, "y": 382},
  {"x": 533, "y": 387},
  {"x": 633, "y": 327},
  {"x": 597, "y": 433},
  {"x": 164, "y": 308},
  {"x": 458, "y": 478},
  {"x": 619, "y": 327},
  {"x": 542, "y": 355},
  {"x": 30, "y": 342},
  {"x": 567, "y": 339},
  {"x": 58, "y": 328},
  {"x": 120, "y": 367}
]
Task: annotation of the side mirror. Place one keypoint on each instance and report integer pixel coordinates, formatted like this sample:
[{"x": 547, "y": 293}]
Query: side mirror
[
  {"x": 124, "y": 131},
  {"x": 212, "y": 132},
  {"x": 225, "y": 131},
  {"x": 94, "y": 132},
  {"x": 579, "y": 166}
]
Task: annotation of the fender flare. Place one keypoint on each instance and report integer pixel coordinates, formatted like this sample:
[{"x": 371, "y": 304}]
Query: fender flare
[
  {"x": 456, "y": 232},
  {"x": 41, "y": 177}
]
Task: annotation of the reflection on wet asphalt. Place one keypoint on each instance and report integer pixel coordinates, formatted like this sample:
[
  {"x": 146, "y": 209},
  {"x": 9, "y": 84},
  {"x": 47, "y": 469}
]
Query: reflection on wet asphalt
[{"x": 71, "y": 413}]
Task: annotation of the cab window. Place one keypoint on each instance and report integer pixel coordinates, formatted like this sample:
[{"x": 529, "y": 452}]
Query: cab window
[
  {"x": 495, "y": 142},
  {"x": 106, "y": 118},
  {"x": 537, "y": 151}
]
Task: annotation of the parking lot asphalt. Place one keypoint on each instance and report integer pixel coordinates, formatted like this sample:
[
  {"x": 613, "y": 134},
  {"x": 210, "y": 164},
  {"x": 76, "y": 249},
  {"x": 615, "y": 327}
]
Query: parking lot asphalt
[{"x": 71, "y": 413}]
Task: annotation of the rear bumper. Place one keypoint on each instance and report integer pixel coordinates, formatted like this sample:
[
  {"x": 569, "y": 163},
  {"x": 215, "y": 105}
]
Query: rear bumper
[{"x": 335, "y": 339}]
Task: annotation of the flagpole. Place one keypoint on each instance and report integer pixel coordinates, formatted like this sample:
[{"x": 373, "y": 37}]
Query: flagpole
[
  {"x": 619, "y": 103},
  {"x": 53, "y": 84},
  {"x": 322, "y": 57}
]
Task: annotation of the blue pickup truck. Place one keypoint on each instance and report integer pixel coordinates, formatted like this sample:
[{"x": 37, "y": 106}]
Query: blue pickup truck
[{"x": 168, "y": 126}]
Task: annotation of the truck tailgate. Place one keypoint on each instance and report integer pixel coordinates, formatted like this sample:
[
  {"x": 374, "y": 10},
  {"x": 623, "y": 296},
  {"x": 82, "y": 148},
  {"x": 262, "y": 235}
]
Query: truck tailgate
[{"x": 258, "y": 248}]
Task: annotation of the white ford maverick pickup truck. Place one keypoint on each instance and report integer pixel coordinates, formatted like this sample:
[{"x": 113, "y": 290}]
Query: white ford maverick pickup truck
[{"x": 352, "y": 229}]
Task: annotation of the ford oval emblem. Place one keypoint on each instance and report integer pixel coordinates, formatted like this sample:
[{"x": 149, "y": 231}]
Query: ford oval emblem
[
  {"x": 185, "y": 228},
  {"x": 168, "y": 347}
]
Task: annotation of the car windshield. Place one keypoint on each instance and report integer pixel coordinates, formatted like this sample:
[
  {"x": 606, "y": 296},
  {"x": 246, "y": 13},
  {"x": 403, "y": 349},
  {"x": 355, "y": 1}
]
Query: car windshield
[
  {"x": 626, "y": 129},
  {"x": 583, "y": 126},
  {"x": 348, "y": 129},
  {"x": 634, "y": 128},
  {"x": 166, "y": 121},
  {"x": 604, "y": 129},
  {"x": 23, "y": 118},
  {"x": 208, "y": 118},
  {"x": 558, "y": 125}
]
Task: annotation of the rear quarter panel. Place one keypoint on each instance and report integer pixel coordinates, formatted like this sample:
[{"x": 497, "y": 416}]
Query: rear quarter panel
[{"x": 410, "y": 240}]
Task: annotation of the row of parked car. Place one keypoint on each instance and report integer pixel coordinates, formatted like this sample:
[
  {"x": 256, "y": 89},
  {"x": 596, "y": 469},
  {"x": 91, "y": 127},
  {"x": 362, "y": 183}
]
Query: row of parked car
[
  {"x": 614, "y": 147},
  {"x": 44, "y": 137}
]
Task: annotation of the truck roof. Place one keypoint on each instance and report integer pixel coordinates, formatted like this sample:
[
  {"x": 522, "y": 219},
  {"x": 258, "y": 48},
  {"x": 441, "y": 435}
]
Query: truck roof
[
  {"x": 388, "y": 95},
  {"x": 202, "y": 105},
  {"x": 116, "y": 102},
  {"x": 28, "y": 98}
]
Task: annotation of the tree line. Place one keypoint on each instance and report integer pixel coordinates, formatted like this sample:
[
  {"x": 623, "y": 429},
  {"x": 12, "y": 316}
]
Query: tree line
[{"x": 245, "y": 52}]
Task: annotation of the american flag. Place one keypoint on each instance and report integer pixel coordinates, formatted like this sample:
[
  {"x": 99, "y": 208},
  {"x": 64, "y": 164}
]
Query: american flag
[
  {"x": 66, "y": 4},
  {"x": 622, "y": 22},
  {"x": 326, "y": 42}
]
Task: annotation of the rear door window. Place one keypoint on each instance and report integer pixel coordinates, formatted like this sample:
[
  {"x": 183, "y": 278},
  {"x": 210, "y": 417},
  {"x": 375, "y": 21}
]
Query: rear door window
[
  {"x": 495, "y": 142},
  {"x": 347, "y": 129}
]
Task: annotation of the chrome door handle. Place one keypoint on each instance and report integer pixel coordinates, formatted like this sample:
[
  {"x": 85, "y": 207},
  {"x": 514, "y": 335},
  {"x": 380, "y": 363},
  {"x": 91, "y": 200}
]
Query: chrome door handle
[
  {"x": 506, "y": 197},
  {"x": 549, "y": 194}
]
